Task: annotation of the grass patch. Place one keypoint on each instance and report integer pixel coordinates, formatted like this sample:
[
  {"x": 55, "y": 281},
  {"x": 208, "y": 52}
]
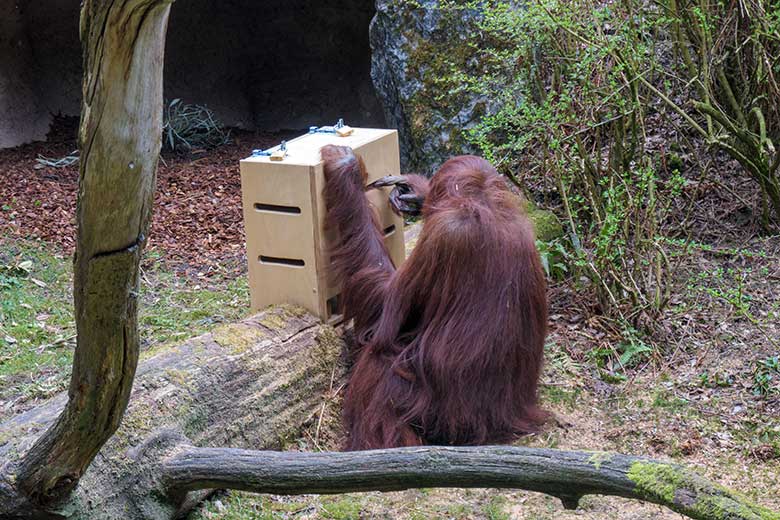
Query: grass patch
[
  {"x": 244, "y": 506},
  {"x": 37, "y": 332},
  {"x": 175, "y": 308},
  {"x": 37, "y": 328},
  {"x": 342, "y": 508}
]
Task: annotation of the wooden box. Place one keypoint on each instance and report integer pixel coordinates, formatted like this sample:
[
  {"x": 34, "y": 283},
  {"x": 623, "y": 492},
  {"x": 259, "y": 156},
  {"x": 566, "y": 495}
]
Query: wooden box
[{"x": 283, "y": 217}]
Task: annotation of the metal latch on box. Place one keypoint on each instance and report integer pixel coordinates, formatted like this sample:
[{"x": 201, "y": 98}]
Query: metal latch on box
[
  {"x": 277, "y": 153},
  {"x": 340, "y": 129}
]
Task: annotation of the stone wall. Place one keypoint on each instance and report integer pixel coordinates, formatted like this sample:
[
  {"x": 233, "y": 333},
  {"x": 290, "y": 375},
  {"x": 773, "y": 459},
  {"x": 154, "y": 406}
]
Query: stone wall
[{"x": 276, "y": 64}]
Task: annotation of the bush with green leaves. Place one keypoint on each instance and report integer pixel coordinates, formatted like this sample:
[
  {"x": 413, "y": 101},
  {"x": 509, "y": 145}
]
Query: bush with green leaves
[
  {"x": 572, "y": 116},
  {"x": 582, "y": 95}
]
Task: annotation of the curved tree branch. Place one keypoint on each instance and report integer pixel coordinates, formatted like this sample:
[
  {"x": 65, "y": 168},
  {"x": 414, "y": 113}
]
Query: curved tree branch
[{"x": 568, "y": 475}]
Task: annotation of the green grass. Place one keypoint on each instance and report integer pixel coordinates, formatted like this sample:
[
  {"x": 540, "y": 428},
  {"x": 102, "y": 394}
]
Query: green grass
[
  {"x": 245, "y": 506},
  {"x": 242, "y": 506},
  {"x": 36, "y": 320},
  {"x": 37, "y": 331},
  {"x": 175, "y": 308},
  {"x": 341, "y": 508},
  {"x": 494, "y": 509}
]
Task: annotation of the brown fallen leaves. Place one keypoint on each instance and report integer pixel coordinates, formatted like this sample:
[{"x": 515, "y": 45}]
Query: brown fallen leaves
[{"x": 197, "y": 225}]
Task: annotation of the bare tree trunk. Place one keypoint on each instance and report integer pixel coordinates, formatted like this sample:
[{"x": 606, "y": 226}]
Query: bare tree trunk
[
  {"x": 119, "y": 138},
  {"x": 250, "y": 385}
]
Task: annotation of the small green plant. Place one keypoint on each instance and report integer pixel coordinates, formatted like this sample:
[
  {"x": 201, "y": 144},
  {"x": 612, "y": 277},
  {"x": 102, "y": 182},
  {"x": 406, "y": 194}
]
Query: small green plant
[
  {"x": 765, "y": 374},
  {"x": 716, "y": 380},
  {"x": 345, "y": 508},
  {"x": 494, "y": 509},
  {"x": 633, "y": 351},
  {"x": 553, "y": 256}
]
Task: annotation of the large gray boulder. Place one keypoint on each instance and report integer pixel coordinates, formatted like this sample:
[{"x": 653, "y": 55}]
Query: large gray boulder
[{"x": 416, "y": 47}]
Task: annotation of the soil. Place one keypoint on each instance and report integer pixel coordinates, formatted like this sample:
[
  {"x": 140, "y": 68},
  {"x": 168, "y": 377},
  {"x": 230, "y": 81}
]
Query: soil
[
  {"x": 197, "y": 224},
  {"x": 696, "y": 398}
]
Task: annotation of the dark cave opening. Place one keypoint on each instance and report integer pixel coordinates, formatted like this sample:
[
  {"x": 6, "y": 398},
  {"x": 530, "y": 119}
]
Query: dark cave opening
[{"x": 270, "y": 65}]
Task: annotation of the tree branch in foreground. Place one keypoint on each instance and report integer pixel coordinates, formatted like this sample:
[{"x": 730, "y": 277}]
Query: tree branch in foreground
[{"x": 568, "y": 475}]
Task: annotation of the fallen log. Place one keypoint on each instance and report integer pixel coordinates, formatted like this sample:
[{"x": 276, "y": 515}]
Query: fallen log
[
  {"x": 568, "y": 475},
  {"x": 250, "y": 385},
  {"x": 199, "y": 413}
]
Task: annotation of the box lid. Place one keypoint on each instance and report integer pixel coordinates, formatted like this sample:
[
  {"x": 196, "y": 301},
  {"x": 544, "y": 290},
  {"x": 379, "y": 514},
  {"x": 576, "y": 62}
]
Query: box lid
[{"x": 305, "y": 150}]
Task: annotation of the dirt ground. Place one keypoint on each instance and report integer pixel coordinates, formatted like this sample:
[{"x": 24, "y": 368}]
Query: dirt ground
[
  {"x": 197, "y": 219},
  {"x": 707, "y": 393}
]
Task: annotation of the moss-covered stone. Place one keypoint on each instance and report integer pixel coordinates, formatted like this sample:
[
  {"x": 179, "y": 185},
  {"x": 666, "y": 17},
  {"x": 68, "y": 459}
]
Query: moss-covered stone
[
  {"x": 547, "y": 225},
  {"x": 418, "y": 49}
]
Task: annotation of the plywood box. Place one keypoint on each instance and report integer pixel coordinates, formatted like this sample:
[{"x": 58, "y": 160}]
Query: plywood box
[{"x": 283, "y": 217}]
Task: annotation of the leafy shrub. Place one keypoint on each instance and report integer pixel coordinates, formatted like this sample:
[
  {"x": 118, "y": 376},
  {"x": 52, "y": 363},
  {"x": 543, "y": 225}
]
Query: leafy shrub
[
  {"x": 580, "y": 90},
  {"x": 572, "y": 116}
]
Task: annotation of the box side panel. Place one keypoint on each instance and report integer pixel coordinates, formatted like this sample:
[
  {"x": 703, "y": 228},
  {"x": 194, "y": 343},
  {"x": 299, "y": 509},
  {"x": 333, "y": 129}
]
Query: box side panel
[
  {"x": 381, "y": 157},
  {"x": 280, "y": 226}
]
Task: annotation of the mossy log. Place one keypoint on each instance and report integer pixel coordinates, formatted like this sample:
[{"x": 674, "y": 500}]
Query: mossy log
[
  {"x": 250, "y": 385},
  {"x": 568, "y": 475},
  {"x": 200, "y": 411}
]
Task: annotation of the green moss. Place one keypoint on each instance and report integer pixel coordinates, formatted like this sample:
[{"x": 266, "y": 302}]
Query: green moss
[
  {"x": 195, "y": 419},
  {"x": 656, "y": 480},
  {"x": 328, "y": 346},
  {"x": 670, "y": 485},
  {"x": 180, "y": 378},
  {"x": 293, "y": 310},
  {"x": 274, "y": 320},
  {"x": 237, "y": 337},
  {"x": 434, "y": 59},
  {"x": 726, "y": 508},
  {"x": 599, "y": 458},
  {"x": 135, "y": 426},
  {"x": 547, "y": 225}
]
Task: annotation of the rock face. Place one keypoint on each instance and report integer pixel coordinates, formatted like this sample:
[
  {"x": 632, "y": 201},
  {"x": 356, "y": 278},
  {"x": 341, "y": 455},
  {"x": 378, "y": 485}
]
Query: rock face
[
  {"x": 415, "y": 47},
  {"x": 270, "y": 65},
  {"x": 22, "y": 116}
]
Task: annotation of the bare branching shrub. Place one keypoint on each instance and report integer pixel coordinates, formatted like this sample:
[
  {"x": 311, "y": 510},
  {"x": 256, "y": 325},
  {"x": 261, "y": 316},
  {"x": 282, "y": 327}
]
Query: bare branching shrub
[
  {"x": 730, "y": 51},
  {"x": 188, "y": 127}
]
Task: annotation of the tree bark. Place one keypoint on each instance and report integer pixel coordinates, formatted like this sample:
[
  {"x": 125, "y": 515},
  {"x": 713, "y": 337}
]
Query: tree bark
[
  {"x": 252, "y": 385},
  {"x": 249, "y": 385},
  {"x": 568, "y": 475},
  {"x": 119, "y": 139}
]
